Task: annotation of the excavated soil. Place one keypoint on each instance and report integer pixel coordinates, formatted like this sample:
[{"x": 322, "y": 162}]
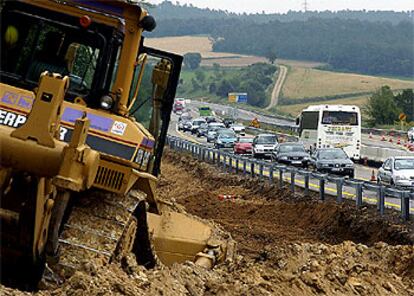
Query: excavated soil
[{"x": 287, "y": 244}]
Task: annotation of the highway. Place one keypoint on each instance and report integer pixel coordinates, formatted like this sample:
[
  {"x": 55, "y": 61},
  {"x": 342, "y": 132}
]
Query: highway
[
  {"x": 361, "y": 172},
  {"x": 245, "y": 115}
]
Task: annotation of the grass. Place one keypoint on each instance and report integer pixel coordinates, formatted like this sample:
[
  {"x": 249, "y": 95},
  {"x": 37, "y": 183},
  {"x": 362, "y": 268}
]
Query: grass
[
  {"x": 187, "y": 90},
  {"x": 312, "y": 83},
  {"x": 294, "y": 110}
]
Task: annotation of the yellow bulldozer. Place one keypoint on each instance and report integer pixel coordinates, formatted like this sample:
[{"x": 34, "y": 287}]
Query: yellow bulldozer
[{"x": 84, "y": 113}]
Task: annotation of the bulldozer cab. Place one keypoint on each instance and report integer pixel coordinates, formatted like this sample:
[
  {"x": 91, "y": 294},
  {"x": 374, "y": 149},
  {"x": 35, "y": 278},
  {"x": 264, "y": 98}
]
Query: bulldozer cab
[{"x": 89, "y": 52}]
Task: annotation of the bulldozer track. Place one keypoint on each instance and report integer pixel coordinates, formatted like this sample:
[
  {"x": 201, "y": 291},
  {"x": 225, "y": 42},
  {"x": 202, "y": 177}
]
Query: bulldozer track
[{"x": 96, "y": 229}]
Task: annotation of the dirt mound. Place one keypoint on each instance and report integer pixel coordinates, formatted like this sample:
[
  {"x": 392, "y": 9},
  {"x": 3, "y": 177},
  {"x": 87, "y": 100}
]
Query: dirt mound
[{"x": 288, "y": 245}]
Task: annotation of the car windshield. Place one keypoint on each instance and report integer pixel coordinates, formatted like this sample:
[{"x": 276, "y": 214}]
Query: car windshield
[
  {"x": 204, "y": 125},
  {"x": 291, "y": 148},
  {"x": 245, "y": 140},
  {"x": 267, "y": 140},
  {"x": 198, "y": 122},
  {"x": 226, "y": 132},
  {"x": 185, "y": 118},
  {"x": 404, "y": 164},
  {"x": 227, "y": 135},
  {"x": 332, "y": 154}
]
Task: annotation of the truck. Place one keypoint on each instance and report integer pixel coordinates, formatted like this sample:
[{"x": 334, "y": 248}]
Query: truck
[
  {"x": 205, "y": 111},
  {"x": 84, "y": 112}
]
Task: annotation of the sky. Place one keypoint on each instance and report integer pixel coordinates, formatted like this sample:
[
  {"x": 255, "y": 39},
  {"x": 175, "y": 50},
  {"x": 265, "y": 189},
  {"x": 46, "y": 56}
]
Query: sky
[{"x": 281, "y": 6}]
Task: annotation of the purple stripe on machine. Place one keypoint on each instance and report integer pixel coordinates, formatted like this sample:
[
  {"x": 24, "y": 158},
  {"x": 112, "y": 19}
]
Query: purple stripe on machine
[{"x": 97, "y": 122}]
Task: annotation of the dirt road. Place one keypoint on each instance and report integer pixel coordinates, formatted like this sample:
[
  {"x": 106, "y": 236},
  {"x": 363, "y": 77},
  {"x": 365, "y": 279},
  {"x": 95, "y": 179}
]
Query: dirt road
[
  {"x": 288, "y": 245},
  {"x": 278, "y": 86}
]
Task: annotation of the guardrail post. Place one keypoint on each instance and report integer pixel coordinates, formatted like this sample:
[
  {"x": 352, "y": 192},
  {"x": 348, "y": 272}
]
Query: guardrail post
[
  {"x": 405, "y": 205},
  {"x": 339, "y": 187},
  {"x": 322, "y": 189},
  {"x": 271, "y": 174},
  {"x": 224, "y": 161},
  {"x": 306, "y": 176},
  {"x": 237, "y": 165},
  {"x": 261, "y": 170},
  {"x": 280, "y": 178},
  {"x": 252, "y": 172},
  {"x": 230, "y": 164},
  {"x": 358, "y": 189},
  {"x": 381, "y": 200},
  {"x": 292, "y": 180},
  {"x": 244, "y": 166},
  {"x": 218, "y": 157}
]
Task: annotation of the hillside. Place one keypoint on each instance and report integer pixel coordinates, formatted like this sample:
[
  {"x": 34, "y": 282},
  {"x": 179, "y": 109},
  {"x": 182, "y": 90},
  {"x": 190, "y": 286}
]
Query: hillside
[
  {"x": 304, "y": 84},
  {"x": 170, "y": 10},
  {"x": 374, "y": 43}
]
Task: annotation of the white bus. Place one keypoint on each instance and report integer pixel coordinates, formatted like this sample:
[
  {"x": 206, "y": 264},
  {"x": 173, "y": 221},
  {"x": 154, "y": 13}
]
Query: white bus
[{"x": 330, "y": 126}]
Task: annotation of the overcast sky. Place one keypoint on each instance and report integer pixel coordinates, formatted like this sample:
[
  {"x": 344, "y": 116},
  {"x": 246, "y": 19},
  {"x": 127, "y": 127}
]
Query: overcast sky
[{"x": 270, "y": 6}]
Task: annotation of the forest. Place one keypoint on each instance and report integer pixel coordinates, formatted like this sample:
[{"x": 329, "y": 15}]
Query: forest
[{"x": 350, "y": 41}]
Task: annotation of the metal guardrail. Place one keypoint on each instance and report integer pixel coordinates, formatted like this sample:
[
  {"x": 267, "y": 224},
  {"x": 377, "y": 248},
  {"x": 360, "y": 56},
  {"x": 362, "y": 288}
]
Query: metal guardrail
[{"x": 263, "y": 170}]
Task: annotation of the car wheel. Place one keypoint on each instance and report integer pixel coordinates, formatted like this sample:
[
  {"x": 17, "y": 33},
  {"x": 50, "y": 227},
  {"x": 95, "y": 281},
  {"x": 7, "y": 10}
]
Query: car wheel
[{"x": 352, "y": 175}]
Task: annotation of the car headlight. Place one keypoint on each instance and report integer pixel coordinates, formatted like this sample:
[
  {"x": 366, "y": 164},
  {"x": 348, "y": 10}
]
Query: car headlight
[
  {"x": 284, "y": 158},
  {"x": 401, "y": 177},
  {"x": 306, "y": 158},
  {"x": 349, "y": 165},
  {"x": 324, "y": 165}
]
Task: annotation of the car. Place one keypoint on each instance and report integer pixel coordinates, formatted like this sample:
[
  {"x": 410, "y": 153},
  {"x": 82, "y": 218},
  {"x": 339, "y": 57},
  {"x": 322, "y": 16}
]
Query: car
[
  {"x": 243, "y": 145},
  {"x": 238, "y": 128},
  {"x": 410, "y": 134},
  {"x": 212, "y": 130},
  {"x": 195, "y": 124},
  {"x": 185, "y": 117},
  {"x": 202, "y": 130},
  {"x": 397, "y": 171},
  {"x": 228, "y": 122},
  {"x": 264, "y": 144},
  {"x": 225, "y": 138},
  {"x": 187, "y": 126},
  {"x": 211, "y": 119},
  {"x": 333, "y": 161},
  {"x": 291, "y": 154}
]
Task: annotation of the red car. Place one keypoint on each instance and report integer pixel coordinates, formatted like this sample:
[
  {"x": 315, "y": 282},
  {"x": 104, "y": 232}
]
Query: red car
[{"x": 243, "y": 145}]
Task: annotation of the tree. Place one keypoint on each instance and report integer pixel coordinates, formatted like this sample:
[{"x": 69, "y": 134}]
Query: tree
[
  {"x": 200, "y": 75},
  {"x": 405, "y": 101},
  {"x": 192, "y": 60},
  {"x": 224, "y": 88},
  {"x": 271, "y": 55},
  {"x": 381, "y": 107}
]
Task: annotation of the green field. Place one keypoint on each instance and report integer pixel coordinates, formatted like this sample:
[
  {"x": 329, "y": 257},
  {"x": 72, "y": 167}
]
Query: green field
[
  {"x": 312, "y": 83},
  {"x": 188, "y": 89},
  {"x": 295, "y": 109}
]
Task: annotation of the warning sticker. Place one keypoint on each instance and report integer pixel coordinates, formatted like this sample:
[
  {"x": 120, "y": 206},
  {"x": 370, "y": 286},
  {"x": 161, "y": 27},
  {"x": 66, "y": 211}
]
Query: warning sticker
[{"x": 118, "y": 128}]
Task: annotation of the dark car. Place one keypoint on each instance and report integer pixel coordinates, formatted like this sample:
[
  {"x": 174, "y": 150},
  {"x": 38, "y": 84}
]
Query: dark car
[
  {"x": 291, "y": 154},
  {"x": 334, "y": 161},
  {"x": 228, "y": 122},
  {"x": 211, "y": 119},
  {"x": 202, "y": 130}
]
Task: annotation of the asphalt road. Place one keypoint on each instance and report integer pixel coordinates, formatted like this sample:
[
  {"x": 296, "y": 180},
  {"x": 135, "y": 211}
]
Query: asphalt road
[
  {"x": 245, "y": 115},
  {"x": 361, "y": 172}
]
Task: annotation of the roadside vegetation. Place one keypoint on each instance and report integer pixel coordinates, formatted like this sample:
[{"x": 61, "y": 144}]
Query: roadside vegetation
[{"x": 214, "y": 83}]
